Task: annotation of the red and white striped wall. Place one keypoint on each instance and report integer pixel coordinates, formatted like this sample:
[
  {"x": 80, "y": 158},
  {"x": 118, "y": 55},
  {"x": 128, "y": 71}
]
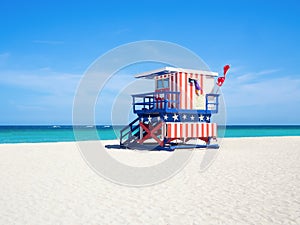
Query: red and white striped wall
[
  {"x": 180, "y": 82},
  {"x": 187, "y": 89},
  {"x": 191, "y": 130}
]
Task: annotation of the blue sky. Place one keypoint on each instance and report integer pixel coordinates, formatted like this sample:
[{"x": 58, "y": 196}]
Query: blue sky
[{"x": 46, "y": 46}]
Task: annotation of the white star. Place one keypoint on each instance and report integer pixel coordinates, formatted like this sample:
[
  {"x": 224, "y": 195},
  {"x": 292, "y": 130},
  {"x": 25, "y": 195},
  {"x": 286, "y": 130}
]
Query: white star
[
  {"x": 175, "y": 117},
  {"x": 142, "y": 119},
  {"x": 201, "y": 117},
  {"x": 158, "y": 118},
  {"x": 184, "y": 117},
  {"x": 166, "y": 117},
  {"x": 149, "y": 119},
  {"x": 192, "y": 117},
  {"x": 207, "y": 118}
]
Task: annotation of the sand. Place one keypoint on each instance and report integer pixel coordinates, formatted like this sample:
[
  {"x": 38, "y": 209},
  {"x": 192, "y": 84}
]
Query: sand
[{"x": 252, "y": 181}]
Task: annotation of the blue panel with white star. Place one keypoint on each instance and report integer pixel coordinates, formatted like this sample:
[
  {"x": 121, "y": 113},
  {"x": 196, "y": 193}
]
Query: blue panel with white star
[{"x": 177, "y": 117}]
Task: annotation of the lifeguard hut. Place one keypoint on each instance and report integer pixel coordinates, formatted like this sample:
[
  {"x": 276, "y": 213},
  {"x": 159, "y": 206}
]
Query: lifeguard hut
[{"x": 177, "y": 111}]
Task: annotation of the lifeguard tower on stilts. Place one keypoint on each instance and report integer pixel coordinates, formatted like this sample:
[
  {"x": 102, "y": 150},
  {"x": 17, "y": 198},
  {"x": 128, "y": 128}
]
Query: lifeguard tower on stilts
[{"x": 178, "y": 111}]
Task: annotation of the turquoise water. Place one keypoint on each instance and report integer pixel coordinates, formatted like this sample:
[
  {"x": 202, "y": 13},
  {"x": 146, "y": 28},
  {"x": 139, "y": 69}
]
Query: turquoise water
[
  {"x": 262, "y": 131},
  {"x": 37, "y": 134}
]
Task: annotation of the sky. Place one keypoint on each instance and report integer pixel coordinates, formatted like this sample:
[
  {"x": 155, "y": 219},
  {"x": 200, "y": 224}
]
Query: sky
[{"x": 46, "y": 47}]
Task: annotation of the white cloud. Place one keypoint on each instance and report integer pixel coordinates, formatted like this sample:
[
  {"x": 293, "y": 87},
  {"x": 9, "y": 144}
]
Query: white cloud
[
  {"x": 256, "y": 89},
  {"x": 41, "y": 80},
  {"x": 37, "y": 96},
  {"x": 263, "y": 94},
  {"x": 253, "y": 76},
  {"x": 39, "y": 90}
]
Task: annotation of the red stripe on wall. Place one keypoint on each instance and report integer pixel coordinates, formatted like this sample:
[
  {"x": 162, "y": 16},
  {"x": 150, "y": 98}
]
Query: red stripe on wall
[
  {"x": 172, "y": 89},
  {"x": 201, "y": 84},
  {"x": 169, "y": 130},
  {"x": 177, "y": 90},
  {"x": 207, "y": 129},
  {"x": 180, "y": 89},
  {"x": 184, "y": 85},
  {"x": 185, "y": 90},
  {"x": 191, "y": 93},
  {"x": 181, "y": 130}
]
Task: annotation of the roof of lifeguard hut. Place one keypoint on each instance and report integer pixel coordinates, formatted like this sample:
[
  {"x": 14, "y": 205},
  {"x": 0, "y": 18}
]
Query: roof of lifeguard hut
[{"x": 167, "y": 70}]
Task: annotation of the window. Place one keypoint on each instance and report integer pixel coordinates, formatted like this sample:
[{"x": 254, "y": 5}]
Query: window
[
  {"x": 162, "y": 83},
  {"x": 166, "y": 83}
]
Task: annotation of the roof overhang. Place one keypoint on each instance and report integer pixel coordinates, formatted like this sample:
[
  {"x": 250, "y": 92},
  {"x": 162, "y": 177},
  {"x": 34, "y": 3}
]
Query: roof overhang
[{"x": 168, "y": 70}]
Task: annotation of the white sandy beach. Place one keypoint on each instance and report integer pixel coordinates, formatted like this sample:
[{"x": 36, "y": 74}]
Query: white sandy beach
[{"x": 252, "y": 181}]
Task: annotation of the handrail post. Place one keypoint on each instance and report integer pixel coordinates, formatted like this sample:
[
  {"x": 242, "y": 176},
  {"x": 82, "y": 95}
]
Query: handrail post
[
  {"x": 217, "y": 103},
  {"x": 133, "y": 103}
]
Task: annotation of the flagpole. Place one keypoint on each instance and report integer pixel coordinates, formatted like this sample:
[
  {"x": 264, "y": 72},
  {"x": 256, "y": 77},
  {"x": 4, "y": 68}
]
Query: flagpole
[{"x": 216, "y": 89}]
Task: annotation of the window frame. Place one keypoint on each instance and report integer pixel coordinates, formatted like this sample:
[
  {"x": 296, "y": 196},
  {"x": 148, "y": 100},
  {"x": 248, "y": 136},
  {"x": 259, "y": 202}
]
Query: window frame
[{"x": 164, "y": 83}]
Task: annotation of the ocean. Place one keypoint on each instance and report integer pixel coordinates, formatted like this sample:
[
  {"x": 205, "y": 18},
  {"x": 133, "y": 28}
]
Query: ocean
[{"x": 39, "y": 134}]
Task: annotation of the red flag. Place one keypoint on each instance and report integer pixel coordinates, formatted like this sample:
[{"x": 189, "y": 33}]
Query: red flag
[
  {"x": 226, "y": 68},
  {"x": 222, "y": 79}
]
